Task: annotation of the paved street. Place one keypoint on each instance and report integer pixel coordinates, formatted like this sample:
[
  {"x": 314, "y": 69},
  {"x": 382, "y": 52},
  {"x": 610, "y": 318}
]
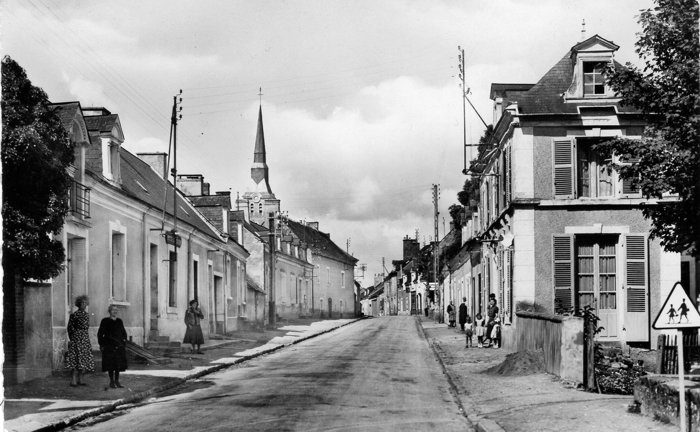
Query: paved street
[{"x": 375, "y": 374}]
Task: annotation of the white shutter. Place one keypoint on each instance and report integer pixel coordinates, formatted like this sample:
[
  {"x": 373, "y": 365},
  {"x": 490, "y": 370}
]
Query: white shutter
[
  {"x": 563, "y": 157},
  {"x": 563, "y": 272},
  {"x": 637, "y": 287}
]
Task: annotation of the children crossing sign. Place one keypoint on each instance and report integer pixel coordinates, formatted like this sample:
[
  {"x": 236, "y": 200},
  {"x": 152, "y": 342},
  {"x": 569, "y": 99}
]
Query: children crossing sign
[{"x": 678, "y": 312}]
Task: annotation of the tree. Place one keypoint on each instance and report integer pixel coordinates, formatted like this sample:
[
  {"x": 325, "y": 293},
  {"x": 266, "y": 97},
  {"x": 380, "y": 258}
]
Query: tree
[
  {"x": 468, "y": 197},
  {"x": 666, "y": 92},
  {"x": 35, "y": 155}
]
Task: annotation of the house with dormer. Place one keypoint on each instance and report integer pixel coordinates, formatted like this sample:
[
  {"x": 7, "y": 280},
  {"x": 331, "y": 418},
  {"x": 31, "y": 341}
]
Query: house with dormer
[
  {"x": 118, "y": 252},
  {"x": 557, "y": 227}
]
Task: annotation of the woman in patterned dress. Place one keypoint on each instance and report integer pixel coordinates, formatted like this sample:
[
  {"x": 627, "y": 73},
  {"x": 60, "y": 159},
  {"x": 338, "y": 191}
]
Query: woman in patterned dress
[{"x": 79, "y": 355}]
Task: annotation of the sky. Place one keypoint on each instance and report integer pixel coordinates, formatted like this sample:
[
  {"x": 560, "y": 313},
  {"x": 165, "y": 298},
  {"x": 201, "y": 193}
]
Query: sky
[{"x": 361, "y": 101}]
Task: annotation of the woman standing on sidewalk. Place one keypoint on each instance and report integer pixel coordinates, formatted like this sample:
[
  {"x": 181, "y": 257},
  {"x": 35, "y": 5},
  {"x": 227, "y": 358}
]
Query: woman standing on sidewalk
[
  {"x": 79, "y": 356},
  {"x": 194, "y": 335},
  {"x": 112, "y": 339}
]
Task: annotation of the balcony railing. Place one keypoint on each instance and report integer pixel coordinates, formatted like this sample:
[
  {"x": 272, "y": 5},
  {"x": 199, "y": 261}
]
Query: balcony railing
[{"x": 79, "y": 198}]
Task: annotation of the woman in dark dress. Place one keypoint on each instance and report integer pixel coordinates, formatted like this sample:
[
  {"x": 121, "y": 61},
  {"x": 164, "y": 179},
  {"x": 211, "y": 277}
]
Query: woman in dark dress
[
  {"x": 79, "y": 355},
  {"x": 194, "y": 335},
  {"x": 112, "y": 339}
]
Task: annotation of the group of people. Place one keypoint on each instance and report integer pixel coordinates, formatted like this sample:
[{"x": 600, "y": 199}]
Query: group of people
[
  {"x": 487, "y": 332},
  {"x": 112, "y": 338}
]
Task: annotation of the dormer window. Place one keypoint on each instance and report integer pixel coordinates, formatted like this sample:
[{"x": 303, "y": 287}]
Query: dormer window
[{"x": 593, "y": 78}]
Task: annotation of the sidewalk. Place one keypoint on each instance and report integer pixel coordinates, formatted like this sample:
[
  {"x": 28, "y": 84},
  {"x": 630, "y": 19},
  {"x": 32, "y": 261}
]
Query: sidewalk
[
  {"x": 51, "y": 404},
  {"x": 520, "y": 399}
]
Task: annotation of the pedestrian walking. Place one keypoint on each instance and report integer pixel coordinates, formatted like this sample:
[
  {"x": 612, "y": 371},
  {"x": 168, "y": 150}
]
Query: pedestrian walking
[
  {"x": 480, "y": 330},
  {"x": 463, "y": 313},
  {"x": 468, "y": 331},
  {"x": 112, "y": 339},
  {"x": 451, "y": 314},
  {"x": 79, "y": 355},
  {"x": 194, "y": 335}
]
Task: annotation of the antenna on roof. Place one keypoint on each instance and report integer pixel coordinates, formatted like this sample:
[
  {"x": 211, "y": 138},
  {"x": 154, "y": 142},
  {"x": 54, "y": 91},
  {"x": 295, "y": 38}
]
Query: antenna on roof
[
  {"x": 583, "y": 29},
  {"x": 260, "y": 95}
]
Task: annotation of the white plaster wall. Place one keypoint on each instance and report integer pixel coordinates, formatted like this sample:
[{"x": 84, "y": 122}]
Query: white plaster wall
[
  {"x": 522, "y": 163},
  {"x": 523, "y": 223}
]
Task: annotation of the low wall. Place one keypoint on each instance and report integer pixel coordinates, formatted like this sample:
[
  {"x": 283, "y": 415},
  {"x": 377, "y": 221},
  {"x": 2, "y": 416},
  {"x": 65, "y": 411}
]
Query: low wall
[
  {"x": 657, "y": 396},
  {"x": 559, "y": 337}
]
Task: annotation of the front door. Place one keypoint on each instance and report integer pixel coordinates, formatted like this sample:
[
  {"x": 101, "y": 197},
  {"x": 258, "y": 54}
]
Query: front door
[
  {"x": 154, "y": 289},
  {"x": 596, "y": 279}
]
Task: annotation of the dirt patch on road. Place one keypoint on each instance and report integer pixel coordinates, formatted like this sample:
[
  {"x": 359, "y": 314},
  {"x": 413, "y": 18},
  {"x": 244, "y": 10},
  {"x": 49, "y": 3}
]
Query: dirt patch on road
[{"x": 519, "y": 363}]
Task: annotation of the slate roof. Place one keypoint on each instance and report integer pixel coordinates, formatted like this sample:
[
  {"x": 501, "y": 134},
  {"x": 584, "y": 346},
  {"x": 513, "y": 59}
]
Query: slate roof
[
  {"x": 143, "y": 184},
  {"x": 65, "y": 112},
  {"x": 211, "y": 200},
  {"x": 320, "y": 243},
  {"x": 101, "y": 123},
  {"x": 254, "y": 285},
  {"x": 545, "y": 97}
]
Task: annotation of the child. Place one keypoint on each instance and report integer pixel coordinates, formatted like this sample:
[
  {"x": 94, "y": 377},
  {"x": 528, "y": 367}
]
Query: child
[
  {"x": 496, "y": 333},
  {"x": 468, "y": 331},
  {"x": 480, "y": 329}
]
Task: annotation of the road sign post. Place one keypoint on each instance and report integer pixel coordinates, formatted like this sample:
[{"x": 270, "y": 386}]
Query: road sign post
[{"x": 678, "y": 312}]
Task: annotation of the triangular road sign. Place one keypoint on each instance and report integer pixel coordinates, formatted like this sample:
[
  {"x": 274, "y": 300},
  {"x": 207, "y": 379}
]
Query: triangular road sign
[{"x": 678, "y": 312}]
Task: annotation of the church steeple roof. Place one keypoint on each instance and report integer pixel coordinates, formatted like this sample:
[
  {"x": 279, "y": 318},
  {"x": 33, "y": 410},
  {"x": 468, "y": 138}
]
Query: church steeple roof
[
  {"x": 259, "y": 171},
  {"x": 259, "y": 155}
]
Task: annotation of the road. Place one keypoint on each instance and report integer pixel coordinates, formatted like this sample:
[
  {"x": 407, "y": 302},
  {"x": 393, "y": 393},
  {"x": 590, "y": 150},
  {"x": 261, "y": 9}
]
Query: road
[{"x": 375, "y": 374}]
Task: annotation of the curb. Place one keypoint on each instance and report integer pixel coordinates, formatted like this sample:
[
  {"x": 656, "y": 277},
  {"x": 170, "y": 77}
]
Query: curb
[
  {"x": 480, "y": 424},
  {"x": 112, "y": 406}
]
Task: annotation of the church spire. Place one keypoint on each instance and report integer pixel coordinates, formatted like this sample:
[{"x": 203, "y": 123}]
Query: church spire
[{"x": 259, "y": 171}]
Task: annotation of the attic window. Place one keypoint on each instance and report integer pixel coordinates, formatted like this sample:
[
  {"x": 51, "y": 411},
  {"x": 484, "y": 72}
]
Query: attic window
[
  {"x": 593, "y": 78},
  {"x": 142, "y": 186}
]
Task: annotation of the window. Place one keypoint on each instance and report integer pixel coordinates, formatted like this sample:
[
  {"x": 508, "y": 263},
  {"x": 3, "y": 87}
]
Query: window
[
  {"x": 342, "y": 279},
  {"x": 596, "y": 272},
  {"x": 195, "y": 280},
  {"x": 172, "y": 279},
  {"x": 582, "y": 172},
  {"x": 593, "y": 79},
  {"x": 260, "y": 208},
  {"x": 586, "y": 272},
  {"x": 118, "y": 285},
  {"x": 594, "y": 177}
]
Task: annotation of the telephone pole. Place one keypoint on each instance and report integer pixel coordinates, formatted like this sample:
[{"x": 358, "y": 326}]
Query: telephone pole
[{"x": 436, "y": 243}]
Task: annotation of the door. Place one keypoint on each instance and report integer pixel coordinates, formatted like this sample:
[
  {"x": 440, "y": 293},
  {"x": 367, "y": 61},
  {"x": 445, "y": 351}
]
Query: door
[
  {"x": 330, "y": 307},
  {"x": 596, "y": 279},
  {"x": 153, "y": 273}
]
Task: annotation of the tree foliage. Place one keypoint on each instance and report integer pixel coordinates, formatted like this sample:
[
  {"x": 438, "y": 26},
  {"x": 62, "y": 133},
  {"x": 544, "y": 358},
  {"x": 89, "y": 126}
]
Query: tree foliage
[
  {"x": 666, "y": 91},
  {"x": 35, "y": 155},
  {"x": 468, "y": 197}
]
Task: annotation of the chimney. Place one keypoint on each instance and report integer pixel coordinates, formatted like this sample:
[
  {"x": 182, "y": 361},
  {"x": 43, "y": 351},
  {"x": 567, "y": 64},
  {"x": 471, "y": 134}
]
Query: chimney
[
  {"x": 156, "y": 161},
  {"x": 411, "y": 248},
  {"x": 205, "y": 188},
  {"x": 497, "y": 109},
  {"x": 190, "y": 184},
  {"x": 313, "y": 225}
]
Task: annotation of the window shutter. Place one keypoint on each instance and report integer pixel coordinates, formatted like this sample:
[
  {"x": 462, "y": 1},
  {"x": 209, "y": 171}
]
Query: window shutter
[
  {"x": 563, "y": 157},
  {"x": 507, "y": 176},
  {"x": 636, "y": 285},
  {"x": 628, "y": 185},
  {"x": 563, "y": 272}
]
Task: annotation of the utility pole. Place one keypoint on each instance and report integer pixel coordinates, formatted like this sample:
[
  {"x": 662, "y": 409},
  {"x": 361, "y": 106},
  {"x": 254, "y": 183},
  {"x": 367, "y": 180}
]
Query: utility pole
[
  {"x": 172, "y": 237},
  {"x": 273, "y": 311},
  {"x": 347, "y": 246},
  {"x": 462, "y": 85},
  {"x": 436, "y": 243}
]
